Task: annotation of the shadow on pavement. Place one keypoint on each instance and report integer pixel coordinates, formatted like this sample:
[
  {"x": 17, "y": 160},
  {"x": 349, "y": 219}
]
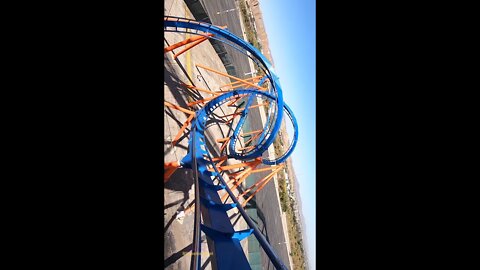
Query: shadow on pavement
[
  {"x": 181, "y": 180},
  {"x": 177, "y": 255}
]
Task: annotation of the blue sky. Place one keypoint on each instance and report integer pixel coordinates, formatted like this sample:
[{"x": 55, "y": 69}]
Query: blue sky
[{"x": 290, "y": 27}]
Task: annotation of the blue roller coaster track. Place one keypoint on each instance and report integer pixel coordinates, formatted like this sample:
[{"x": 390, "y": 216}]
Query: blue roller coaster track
[{"x": 228, "y": 253}]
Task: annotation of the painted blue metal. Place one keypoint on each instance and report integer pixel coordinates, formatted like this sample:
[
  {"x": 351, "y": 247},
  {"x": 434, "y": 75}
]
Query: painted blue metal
[
  {"x": 240, "y": 235},
  {"x": 205, "y": 184},
  {"x": 289, "y": 151},
  {"x": 228, "y": 251},
  {"x": 208, "y": 28},
  {"x": 215, "y": 234},
  {"x": 261, "y": 239},
  {"x": 223, "y": 206},
  {"x": 238, "y": 129}
]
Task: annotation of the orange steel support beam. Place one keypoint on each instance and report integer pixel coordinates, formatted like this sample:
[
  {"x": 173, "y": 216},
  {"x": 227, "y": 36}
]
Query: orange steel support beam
[
  {"x": 251, "y": 132},
  {"x": 224, "y": 145},
  {"x": 183, "y": 42},
  {"x": 173, "y": 106},
  {"x": 238, "y": 175},
  {"x": 246, "y": 148},
  {"x": 237, "y": 86},
  {"x": 200, "y": 89},
  {"x": 221, "y": 162},
  {"x": 248, "y": 174},
  {"x": 258, "y": 189},
  {"x": 193, "y": 40},
  {"x": 233, "y": 101},
  {"x": 230, "y": 104},
  {"x": 224, "y": 141},
  {"x": 232, "y": 114},
  {"x": 241, "y": 110},
  {"x": 230, "y": 76},
  {"x": 266, "y": 169},
  {"x": 203, "y": 101},
  {"x": 185, "y": 124},
  {"x": 222, "y": 158},
  {"x": 242, "y": 176},
  {"x": 170, "y": 168},
  {"x": 252, "y": 138},
  {"x": 200, "y": 101},
  {"x": 263, "y": 181},
  {"x": 243, "y": 173},
  {"x": 237, "y": 82},
  {"x": 231, "y": 119},
  {"x": 236, "y": 182},
  {"x": 180, "y": 132},
  {"x": 191, "y": 45},
  {"x": 256, "y": 161},
  {"x": 258, "y": 105},
  {"x": 234, "y": 187}
]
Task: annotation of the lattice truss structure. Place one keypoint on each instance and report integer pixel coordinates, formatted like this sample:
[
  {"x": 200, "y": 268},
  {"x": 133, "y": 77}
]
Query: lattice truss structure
[{"x": 220, "y": 176}]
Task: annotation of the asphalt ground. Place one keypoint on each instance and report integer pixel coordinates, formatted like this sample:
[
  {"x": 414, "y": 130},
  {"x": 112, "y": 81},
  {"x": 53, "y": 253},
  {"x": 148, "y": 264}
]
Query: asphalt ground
[
  {"x": 267, "y": 206},
  {"x": 232, "y": 20}
]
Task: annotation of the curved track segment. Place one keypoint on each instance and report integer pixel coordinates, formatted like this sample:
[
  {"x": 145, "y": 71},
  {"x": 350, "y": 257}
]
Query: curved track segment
[
  {"x": 228, "y": 252},
  {"x": 173, "y": 24}
]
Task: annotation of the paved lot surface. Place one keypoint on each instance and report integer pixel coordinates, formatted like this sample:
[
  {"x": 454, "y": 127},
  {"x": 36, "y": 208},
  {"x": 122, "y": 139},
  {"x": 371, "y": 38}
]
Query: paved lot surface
[{"x": 232, "y": 20}]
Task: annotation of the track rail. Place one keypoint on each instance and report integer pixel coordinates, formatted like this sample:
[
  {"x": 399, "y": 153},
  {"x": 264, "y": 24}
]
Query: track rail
[
  {"x": 175, "y": 23},
  {"x": 221, "y": 231},
  {"x": 228, "y": 253}
]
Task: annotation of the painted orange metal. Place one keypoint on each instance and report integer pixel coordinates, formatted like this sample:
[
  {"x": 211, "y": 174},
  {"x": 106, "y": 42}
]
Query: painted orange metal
[
  {"x": 251, "y": 132},
  {"x": 173, "y": 106},
  {"x": 264, "y": 181},
  {"x": 241, "y": 110},
  {"x": 181, "y": 43},
  {"x": 222, "y": 158},
  {"x": 223, "y": 140},
  {"x": 253, "y": 79},
  {"x": 185, "y": 124},
  {"x": 231, "y": 114},
  {"x": 180, "y": 132},
  {"x": 189, "y": 42},
  {"x": 170, "y": 168},
  {"x": 230, "y": 76},
  {"x": 240, "y": 165},
  {"x": 233, "y": 101},
  {"x": 200, "y": 101},
  {"x": 224, "y": 145},
  {"x": 239, "y": 181},
  {"x": 200, "y": 89},
  {"x": 191, "y": 45},
  {"x": 252, "y": 138}
]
